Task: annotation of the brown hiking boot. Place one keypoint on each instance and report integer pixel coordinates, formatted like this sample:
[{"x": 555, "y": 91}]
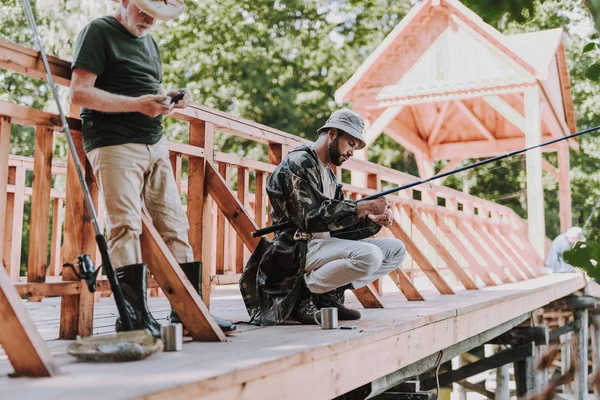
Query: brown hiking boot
[{"x": 335, "y": 298}]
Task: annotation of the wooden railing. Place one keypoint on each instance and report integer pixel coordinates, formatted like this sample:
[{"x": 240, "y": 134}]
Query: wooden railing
[{"x": 453, "y": 239}]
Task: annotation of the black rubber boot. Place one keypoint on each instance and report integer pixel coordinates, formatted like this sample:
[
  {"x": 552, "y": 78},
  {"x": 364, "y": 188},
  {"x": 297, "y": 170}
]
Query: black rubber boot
[
  {"x": 134, "y": 286},
  {"x": 335, "y": 298},
  {"x": 193, "y": 271},
  {"x": 304, "y": 310}
]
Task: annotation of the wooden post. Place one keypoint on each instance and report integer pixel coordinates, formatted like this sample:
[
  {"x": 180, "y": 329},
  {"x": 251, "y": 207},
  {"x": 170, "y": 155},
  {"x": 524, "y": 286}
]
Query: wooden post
[
  {"x": 581, "y": 374},
  {"x": 359, "y": 179},
  {"x": 55, "y": 265},
  {"x": 373, "y": 182},
  {"x": 535, "y": 190},
  {"x": 241, "y": 194},
  {"x": 564, "y": 187},
  {"x": 17, "y": 224},
  {"x": 40, "y": 205},
  {"x": 4, "y": 155},
  {"x": 77, "y": 311},
  {"x": 22, "y": 343},
  {"x": 9, "y": 209},
  {"x": 176, "y": 164},
  {"x": 502, "y": 381},
  {"x": 595, "y": 317},
  {"x": 199, "y": 203},
  {"x": 221, "y": 237},
  {"x": 259, "y": 209}
]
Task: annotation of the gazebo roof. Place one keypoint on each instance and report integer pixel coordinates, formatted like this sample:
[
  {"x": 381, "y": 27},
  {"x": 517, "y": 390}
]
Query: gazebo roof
[{"x": 443, "y": 76}]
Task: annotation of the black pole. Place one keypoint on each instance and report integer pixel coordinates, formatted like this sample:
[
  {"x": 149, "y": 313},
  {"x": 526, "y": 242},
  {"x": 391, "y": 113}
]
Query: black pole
[
  {"x": 100, "y": 240},
  {"x": 285, "y": 225}
]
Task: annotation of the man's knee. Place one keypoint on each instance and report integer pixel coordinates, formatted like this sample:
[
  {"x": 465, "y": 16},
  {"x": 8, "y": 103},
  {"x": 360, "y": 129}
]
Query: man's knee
[
  {"x": 398, "y": 252},
  {"x": 368, "y": 258}
]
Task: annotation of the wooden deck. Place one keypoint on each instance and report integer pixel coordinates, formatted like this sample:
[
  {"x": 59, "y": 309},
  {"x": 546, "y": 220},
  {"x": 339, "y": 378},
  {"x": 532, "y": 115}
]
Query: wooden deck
[{"x": 283, "y": 362}]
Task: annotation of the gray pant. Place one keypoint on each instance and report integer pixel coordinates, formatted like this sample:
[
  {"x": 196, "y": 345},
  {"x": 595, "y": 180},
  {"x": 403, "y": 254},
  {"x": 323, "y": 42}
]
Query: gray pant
[{"x": 332, "y": 262}]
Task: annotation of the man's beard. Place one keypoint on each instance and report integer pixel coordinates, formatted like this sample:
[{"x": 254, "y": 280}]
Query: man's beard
[{"x": 335, "y": 155}]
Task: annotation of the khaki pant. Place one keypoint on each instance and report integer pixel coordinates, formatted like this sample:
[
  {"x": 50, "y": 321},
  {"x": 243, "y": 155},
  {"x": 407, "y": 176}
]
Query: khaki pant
[
  {"x": 332, "y": 262},
  {"x": 131, "y": 176}
]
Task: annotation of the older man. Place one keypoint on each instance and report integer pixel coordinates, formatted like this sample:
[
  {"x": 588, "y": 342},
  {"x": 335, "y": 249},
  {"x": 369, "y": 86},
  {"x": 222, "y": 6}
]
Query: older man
[
  {"x": 117, "y": 76},
  {"x": 563, "y": 242},
  {"x": 328, "y": 250}
]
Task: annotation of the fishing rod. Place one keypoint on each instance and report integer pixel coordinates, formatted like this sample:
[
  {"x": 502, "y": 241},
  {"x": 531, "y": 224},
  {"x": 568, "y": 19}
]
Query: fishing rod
[
  {"x": 289, "y": 224},
  {"x": 86, "y": 266},
  {"x": 589, "y": 218}
]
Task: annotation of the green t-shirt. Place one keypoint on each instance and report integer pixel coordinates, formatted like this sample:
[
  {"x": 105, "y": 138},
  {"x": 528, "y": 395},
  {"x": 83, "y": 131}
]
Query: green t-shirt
[{"x": 125, "y": 65}]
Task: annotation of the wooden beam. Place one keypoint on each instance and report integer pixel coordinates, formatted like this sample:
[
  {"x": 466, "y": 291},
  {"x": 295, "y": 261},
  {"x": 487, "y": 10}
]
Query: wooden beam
[
  {"x": 234, "y": 211},
  {"x": 474, "y": 120},
  {"x": 405, "y": 285},
  {"x": 48, "y": 288},
  {"x": 507, "y": 111},
  {"x": 407, "y": 138},
  {"x": 462, "y": 250},
  {"x": 199, "y": 205},
  {"x": 564, "y": 188},
  {"x": 430, "y": 271},
  {"x": 4, "y": 171},
  {"x": 549, "y": 168},
  {"x": 439, "y": 121},
  {"x": 379, "y": 125},
  {"x": 182, "y": 296},
  {"x": 421, "y": 131},
  {"x": 476, "y": 242},
  {"x": 22, "y": 343},
  {"x": 433, "y": 240},
  {"x": 539, "y": 335},
  {"x": 55, "y": 243},
  {"x": 28, "y": 62},
  {"x": 565, "y": 83},
  {"x": 28, "y": 116},
  {"x": 77, "y": 311},
  {"x": 484, "y": 148},
  {"x": 242, "y": 191},
  {"x": 220, "y": 233},
  {"x": 452, "y": 164},
  {"x": 495, "y": 361},
  {"x": 367, "y": 297},
  {"x": 535, "y": 190},
  {"x": 40, "y": 204}
]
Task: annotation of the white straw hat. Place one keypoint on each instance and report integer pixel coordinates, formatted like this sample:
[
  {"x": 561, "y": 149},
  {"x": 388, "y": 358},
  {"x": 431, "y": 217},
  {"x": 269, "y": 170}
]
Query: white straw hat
[{"x": 161, "y": 9}]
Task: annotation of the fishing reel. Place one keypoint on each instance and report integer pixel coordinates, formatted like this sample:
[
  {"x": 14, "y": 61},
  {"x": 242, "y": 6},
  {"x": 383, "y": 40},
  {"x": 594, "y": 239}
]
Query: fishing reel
[{"x": 87, "y": 271}]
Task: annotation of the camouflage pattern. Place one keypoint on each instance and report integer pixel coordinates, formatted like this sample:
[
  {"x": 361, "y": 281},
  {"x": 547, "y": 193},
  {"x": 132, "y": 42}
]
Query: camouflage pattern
[{"x": 274, "y": 274}]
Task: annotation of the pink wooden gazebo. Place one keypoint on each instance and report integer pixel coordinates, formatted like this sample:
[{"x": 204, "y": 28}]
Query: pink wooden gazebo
[{"x": 447, "y": 86}]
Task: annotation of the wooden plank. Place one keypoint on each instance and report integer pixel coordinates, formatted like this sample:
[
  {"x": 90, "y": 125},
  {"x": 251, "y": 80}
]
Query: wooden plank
[
  {"x": 48, "y": 288},
  {"x": 462, "y": 249},
  {"x": 243, "y": 162},
  {"x": 77, "y": 311},
  {"x": 55, "y": 244},
  {"x": 40, "y": 204},
  {"x": 199, "y": 206},
  {"x": 7, "y": 242},
  {"x": 466, "y": 111},
  {"x": 484, "y": 148},
  {"x": 181, "y": 294},
  {"x": 28, "y": 116},
  {"x": 220, "y": 234},
  {"x": 176, "y": 164},
  {"x": 491, "y": 264},
  {"x": 564, "y": 188},
  {"x": 367, "y": 297},
  {"x": 242, "y": 190},
  {"x": 259, "y": 208},
  {"x": 507, "y": 111},
  {"x": 433, "y": 135},
  {"x": 565, "y": 83},
  {"x": 275, "y": 153},
  {"x": 405, "y": 285},
  {"x": 379, "y": 125},
  {"x": 420, "y": 258},
  {"x": 235, "y": 212},
  {"x": 506, "y": 262},
  {"x": 535, "y": 190},
  {"x": 4, "y": 171},
  {"x": 17, "y": 226},
  {"x": 22, "y": 343},
  {"x": 27, "y": 61},
  {"x": 452, "y": 264},
  {"x": 511, "y": 252}
]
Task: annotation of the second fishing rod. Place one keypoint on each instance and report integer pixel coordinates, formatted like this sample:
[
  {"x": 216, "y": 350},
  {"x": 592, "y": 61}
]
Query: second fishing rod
[{"x": 286, "y": 225}]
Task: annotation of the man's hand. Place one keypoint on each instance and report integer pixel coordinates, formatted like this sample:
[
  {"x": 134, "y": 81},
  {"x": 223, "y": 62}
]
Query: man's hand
[
  {"x": 385, "y": 219},
  {"x": 151, "y": 105},
  {"x": 375, "y": 207},
  {"x": 185, "y": 101}
]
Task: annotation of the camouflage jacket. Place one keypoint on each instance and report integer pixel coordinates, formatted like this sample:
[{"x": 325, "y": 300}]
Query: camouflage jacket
[{"x": 274, "y": 273}]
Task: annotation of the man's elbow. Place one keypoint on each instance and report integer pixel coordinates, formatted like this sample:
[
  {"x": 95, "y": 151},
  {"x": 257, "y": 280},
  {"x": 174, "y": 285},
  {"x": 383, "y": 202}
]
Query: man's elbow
[{"x": 77, "y": 96}]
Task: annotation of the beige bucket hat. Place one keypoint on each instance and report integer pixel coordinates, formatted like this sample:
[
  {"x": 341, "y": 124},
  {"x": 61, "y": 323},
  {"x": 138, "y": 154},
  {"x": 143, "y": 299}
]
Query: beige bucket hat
[
  {"x": 160, "y": 9},
  {"x": 348, "y": 122}
]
